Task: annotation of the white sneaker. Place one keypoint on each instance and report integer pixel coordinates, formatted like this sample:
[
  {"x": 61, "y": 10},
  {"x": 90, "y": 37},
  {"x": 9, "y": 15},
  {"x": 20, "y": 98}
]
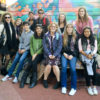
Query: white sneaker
[
  {"x": 5, "y": 78},
  {"x": 72, "y": 92},
  {"x": 95, "y": 91},
  {"x": 64, "y": 90},
  {"x": 90, "y": 91},
  {"x": 15, "y": 80}
]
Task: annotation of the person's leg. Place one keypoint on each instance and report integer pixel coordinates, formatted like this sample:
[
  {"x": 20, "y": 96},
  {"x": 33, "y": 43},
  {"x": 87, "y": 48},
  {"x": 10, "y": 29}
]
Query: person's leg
[
  {"x": 34, "y": 70},
  {"x": 7, "y": 60},
  {"x": 21, "y": 61},
  {"x": 57, "y": 74},
  {"x": 87, "y": 78},
  {"x": 0, "y": 61},
  {"x": 72, "y": 63},
  {"x": 17, "y": 57},
  {"x": 46, "y": 74},
  {"x": 64, "y": 62},
  {"x": 94, "y": 79}
]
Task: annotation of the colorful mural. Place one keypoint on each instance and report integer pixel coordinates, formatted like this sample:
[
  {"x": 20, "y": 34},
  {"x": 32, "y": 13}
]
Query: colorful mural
[{"x": 52, "y": 8}]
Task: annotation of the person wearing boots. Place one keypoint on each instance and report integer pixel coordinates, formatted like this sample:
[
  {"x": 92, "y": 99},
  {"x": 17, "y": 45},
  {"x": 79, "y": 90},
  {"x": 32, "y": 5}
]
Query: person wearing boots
[
  {"x": 22, "y": 53},
  {"x": 52, "y": 45},
  {"x": 36, "y": 50},
  {"x": 9, "y": 47}
]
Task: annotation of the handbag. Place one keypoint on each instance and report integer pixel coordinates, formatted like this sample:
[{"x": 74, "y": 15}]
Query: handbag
[{"x": 2, "y": 39}]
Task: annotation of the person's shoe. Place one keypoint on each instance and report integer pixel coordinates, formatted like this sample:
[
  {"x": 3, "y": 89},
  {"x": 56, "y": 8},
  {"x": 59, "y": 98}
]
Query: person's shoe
[
  {"x": 63, "y": 90},
  {"x": 45, "y": 84},
  {"x": 57, "y": 85},
  {"x": 15, "y": 80},
  {"x": 72, "y": 92},
  {"x": 90, "y": 92},
  {"x": 95, "y": 91},
  {"x": 32, "y": 84},
  {"x": 5, "y": 78}
]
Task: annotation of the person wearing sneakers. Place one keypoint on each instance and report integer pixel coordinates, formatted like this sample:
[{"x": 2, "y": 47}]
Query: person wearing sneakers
[
  {"x": 88, "y": 48},
  {"x": 22, "y": 52},
  {"x": 69, "y": 53},
  {"x": 52, "y": 45}
]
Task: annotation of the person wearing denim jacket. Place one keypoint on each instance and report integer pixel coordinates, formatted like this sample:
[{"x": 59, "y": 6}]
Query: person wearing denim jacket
[{"x": 52, "y": 45}]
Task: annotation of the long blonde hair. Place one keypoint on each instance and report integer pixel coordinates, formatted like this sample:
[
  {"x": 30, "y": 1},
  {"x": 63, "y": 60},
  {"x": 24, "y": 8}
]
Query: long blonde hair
[
  {"x": 65, "y": 36},
  {"x": 85, "y": 19}
]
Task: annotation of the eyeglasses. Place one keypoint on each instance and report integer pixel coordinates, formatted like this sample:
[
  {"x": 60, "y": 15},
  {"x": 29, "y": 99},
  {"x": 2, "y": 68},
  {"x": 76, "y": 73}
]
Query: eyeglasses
[
  {"x": 7, "y": 17},
  {"x": 41, "y": 13}
]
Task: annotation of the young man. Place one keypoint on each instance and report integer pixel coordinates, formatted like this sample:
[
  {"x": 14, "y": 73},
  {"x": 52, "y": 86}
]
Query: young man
[
  {"x": 22, "y": 52},
  {"x": 43, "y": 20}
]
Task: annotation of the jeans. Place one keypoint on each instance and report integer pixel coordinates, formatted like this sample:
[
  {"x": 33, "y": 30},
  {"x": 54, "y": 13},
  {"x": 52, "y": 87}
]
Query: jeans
[
  {"x": 18, "y": 58},
  {"x": 72, "y": 64},
  {"x": 88, "y": 78}
]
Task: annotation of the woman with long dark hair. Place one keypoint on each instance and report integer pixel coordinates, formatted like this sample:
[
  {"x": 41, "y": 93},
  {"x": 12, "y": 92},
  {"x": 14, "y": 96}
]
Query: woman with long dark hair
[
  {"x": 36, "y": 50},
  {"x": 88, "y": 47}
]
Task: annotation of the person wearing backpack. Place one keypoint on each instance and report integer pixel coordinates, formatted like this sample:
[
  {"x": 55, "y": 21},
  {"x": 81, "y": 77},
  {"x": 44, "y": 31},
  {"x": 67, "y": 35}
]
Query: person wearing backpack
[{"x": 42, "y": 20}]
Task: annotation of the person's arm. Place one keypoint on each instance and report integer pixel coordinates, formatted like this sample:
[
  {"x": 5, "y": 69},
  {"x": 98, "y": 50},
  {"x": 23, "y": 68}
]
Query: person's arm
[
  {"x": 31, "y": 46},
  {"x": 21, "y": 41},
  {"x": 91, "y": 23},
  {"x": 45, "y": 46},
  {"x": 95, "y": 48},
  {"x": 59, "y": 48}
]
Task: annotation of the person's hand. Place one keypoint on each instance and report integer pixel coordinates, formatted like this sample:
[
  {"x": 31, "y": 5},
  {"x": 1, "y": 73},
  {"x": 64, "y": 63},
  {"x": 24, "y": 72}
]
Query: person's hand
[
  {"x": 70, "y": 57},
  {"x": 21, "y": 51},
  {"x": 66, "y": 55},
  {"x": 17, "y": 37},
  {"x": 34, "y": 56},
  {"x": 89, "y": 56},
  {"x": 51, "y": 56}
]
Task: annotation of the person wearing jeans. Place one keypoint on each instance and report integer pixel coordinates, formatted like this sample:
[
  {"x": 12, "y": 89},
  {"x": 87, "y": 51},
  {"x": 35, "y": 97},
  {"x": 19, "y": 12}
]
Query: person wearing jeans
[
  {"x": 21, "y": 54},
  {"x": 69, "y": 53}
]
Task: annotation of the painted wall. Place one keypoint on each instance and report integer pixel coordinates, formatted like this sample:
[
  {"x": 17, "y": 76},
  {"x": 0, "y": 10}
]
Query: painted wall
[{"x": 52, "y": 8}]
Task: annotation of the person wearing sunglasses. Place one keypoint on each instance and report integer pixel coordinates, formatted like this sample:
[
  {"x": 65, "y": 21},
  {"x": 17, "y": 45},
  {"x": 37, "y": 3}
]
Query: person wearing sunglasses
[
  {"x": 9, "y": 49},
  {"x": 42, "y": 20}
]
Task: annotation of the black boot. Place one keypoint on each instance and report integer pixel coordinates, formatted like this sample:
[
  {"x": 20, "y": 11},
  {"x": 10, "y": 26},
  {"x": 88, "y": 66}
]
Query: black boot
[
  {"x": 57, "y": 85},
  {"x": 23, "y": 79},
  {"x": 45, "y": 84},
  {"x": 33, "y": 80}
]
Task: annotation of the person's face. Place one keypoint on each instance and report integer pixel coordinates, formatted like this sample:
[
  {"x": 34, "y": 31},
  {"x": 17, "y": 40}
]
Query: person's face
[
  {"x": 41, "y": 13},
  {"x": 62, "y": 18},
  {"x": 81, "y": 13},
  {"x": 26, "y": 27},
  {"x": 39, "y": 31},
  {"x": 69, "y": 29},
  {"x": 8, "y": 18},
  {"x": 87, "y": 33},
  {"x": 31, "y": 16},
  {"x": 53, "y": 28},
  {"x": 18, "y": 22}
]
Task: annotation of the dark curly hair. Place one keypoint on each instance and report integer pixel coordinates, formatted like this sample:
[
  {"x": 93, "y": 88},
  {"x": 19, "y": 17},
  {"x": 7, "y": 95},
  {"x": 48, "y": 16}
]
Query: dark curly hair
[{"x": 91, "y": 37}]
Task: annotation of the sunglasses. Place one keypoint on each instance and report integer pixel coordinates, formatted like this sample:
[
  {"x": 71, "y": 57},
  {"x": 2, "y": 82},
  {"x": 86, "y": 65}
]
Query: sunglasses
[{"x": 7, "y": 17}]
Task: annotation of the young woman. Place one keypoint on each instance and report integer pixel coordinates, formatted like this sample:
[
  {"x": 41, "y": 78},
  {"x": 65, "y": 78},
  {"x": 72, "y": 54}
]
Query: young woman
[
  {"x": 22, "y": 53},
  {"x": 36, "y": 50},
  {"x": 52, "y": 44},
  {"x": 61, "y": 23},
  {"x": 88, "y": 48},
  {"x": 18, "y": 29},
  {"x": 83, "y": 20},
  {"x": 9, "y": 49},
  {"x": 69, "y": 56}
]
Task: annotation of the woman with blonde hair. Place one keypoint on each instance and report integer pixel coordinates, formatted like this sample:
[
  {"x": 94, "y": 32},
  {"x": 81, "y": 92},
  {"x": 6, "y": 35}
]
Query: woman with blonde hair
[
  {"x": 69, "y": 56},
  {"x": 52, "y": 45},
  {"x": 83, "y": 20}
]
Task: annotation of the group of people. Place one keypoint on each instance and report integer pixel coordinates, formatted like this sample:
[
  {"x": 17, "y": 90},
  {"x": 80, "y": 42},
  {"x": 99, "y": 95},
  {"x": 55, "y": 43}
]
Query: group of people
[{"x": 56, "y": 44}]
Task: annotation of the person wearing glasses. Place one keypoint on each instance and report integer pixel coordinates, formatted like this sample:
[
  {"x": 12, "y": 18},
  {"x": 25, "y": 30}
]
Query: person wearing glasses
[
  {"x": 9, "y": 49},
  {"x": 42, "y": 20}
]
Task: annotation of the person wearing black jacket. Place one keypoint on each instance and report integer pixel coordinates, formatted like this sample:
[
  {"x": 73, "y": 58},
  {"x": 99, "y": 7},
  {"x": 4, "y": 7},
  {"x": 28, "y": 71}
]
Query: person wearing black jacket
[
  {"x": 69, "y": 55},
  {"x": 9, "y": 47}
]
